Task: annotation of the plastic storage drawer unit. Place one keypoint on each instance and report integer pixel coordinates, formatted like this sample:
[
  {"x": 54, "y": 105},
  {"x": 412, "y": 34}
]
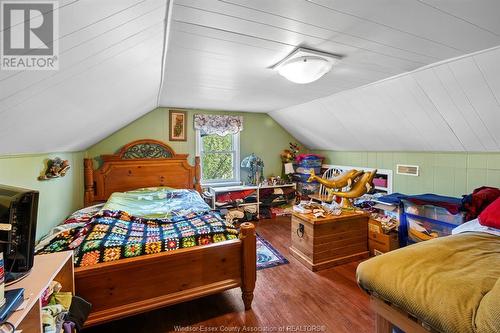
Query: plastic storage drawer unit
[
  {"x": 303, "y": 172},
  {"x": 426, "y": 222},
  {"x": 305, "y": 165}
]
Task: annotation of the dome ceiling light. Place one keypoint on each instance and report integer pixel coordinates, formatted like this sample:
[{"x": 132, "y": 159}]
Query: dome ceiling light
[{"x": 305, "y": 66}]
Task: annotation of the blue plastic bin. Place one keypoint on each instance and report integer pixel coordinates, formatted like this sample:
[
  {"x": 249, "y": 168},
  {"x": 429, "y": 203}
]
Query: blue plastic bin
[
  {"x": 309, "y": 163},
  {"x": 424, "y": 222},
  {"x": 303, "y": 171}
]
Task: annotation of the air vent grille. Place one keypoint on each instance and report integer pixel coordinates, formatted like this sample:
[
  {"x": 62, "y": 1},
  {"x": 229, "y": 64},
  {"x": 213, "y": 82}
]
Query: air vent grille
[{"x": 407, "y": 170}]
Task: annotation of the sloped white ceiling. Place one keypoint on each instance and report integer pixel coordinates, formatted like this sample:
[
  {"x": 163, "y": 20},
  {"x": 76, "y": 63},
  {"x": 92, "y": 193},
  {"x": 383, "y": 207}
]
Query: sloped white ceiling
[
  {"x": 220, "y": 51},
  {"x": 110, "y": 68},
  {"x": 452, "y": 106}
]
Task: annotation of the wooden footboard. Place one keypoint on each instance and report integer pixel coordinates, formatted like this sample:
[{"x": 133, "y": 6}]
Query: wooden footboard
[{"x": 131, "y": 286}]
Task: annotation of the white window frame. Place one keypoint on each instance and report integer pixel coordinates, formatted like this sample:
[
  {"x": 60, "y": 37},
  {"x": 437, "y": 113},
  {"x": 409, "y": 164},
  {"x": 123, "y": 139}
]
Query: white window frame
[{"x": 236, "y": 162}]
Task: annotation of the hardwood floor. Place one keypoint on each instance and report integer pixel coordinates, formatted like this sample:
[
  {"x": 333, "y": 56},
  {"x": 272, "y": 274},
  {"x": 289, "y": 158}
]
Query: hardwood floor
[{"x": 287, "y": 297}]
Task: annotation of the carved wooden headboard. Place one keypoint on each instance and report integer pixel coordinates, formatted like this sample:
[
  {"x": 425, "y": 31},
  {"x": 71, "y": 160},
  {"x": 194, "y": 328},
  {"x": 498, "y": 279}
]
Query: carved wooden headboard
[{"x": 142, "y": 163}]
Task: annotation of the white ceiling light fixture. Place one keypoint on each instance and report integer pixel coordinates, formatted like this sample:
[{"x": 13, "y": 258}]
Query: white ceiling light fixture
[{"x": 305, "y": 66}]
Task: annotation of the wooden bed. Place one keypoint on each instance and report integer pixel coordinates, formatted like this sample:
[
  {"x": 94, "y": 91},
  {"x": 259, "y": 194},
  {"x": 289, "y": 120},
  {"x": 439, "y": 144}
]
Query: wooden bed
[
  {"x": 130, "y": 286},
  {"x": 388, "y": 316},
  {"x": 447, "y": 284}
]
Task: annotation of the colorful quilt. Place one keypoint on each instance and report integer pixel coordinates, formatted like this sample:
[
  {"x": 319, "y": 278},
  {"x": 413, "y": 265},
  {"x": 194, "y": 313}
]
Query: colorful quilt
[{"x": 115, "y": 234}]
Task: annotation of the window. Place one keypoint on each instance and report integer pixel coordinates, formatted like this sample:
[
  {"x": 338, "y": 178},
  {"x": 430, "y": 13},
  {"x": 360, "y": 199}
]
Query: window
[{"x": 220, "y": 156}]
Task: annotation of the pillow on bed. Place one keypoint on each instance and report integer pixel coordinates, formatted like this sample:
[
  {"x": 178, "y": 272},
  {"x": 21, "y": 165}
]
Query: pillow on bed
[
  {"x": 84, "y": 215},
  {"x": 475, "y": 226},
  {"x": 157, "y": 202},
  {"x": 490, "y": 216}
]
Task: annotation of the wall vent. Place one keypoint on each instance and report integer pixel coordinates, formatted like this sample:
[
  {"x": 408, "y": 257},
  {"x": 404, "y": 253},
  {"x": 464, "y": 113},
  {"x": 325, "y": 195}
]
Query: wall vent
[{"x": 407, "y": 170}]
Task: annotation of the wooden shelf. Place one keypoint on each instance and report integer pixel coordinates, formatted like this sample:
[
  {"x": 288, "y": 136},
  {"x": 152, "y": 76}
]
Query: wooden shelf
[
  {"x": 278, "y": 186},
  {"x": 235, "y": 188},
  {"x": 228, "y": 205},
  {"x": 46, "y": 268},
  {"x": 214, "y": 191}
]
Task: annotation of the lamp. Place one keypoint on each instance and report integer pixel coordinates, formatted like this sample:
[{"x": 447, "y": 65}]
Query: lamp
[
  {"x": 255, "y": 167},
  {"x": 305, "y": 66},
  {"x": 305, "y": 69},
  {"x": 289, "y": 169}
]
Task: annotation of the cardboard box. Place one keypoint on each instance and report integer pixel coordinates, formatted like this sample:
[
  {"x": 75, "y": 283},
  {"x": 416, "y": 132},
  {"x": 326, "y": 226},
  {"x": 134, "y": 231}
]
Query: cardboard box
[
  {"x": 378, "y": 242},
  {"x": 390, "y": 210}
]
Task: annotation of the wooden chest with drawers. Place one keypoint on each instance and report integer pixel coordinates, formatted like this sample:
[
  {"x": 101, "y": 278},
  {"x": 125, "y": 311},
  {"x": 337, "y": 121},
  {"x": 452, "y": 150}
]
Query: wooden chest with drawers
[
  {"x": 378, "y": 241},
  {"x": 320, "y": 243}
]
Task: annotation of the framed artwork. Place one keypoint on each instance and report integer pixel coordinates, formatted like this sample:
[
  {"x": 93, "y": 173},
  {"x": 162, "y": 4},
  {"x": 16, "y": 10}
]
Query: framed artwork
[{"x": 177, "y": 125}]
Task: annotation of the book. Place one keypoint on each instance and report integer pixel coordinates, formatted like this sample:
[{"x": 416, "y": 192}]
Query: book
[{"x": 13, "y": 298}]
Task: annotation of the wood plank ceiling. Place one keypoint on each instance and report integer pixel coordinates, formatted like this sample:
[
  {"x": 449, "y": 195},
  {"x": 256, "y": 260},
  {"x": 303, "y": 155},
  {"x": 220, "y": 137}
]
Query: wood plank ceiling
[
  {"x": 219, "y": 54},
  {"x": 453, "y": 106},
  {"x": 220, "y": 51},
  {"x": 109, "y": 74}
]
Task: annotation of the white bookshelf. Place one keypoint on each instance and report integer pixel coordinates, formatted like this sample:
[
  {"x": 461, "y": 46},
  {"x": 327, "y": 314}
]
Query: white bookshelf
[
  {"x": 385, "y": 173},
  {"x": 214, "y": 191}
]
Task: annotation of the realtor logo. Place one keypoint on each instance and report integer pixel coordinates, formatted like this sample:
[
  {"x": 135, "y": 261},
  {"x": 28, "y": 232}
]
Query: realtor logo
[{"x": 29, "y": 31}]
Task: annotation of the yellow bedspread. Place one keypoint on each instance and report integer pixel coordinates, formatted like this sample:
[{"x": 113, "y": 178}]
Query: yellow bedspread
[{"x": 450, "y": 283}]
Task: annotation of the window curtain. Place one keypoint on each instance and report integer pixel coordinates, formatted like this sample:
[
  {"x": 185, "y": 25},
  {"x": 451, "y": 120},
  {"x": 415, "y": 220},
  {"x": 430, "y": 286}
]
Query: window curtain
[{"x": 218, "y": 124}]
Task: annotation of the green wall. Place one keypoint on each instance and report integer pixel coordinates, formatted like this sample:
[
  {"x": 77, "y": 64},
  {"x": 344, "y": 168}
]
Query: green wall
[
  {"x": 261, "y": 135},
  {"x": 58, "y": 197},
  {"x": 443, "y": 173}
]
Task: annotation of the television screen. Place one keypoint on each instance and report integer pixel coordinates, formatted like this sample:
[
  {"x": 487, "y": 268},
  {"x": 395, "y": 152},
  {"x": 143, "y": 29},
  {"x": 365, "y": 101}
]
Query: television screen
[{"x": 18, "y": 216}]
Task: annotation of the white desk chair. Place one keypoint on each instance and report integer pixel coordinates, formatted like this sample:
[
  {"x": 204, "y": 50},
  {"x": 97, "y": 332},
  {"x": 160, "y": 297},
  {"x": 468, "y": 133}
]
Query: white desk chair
[{"x": 323, "y": 195}]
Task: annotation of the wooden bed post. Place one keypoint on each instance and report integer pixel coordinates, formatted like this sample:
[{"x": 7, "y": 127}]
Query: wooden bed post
[
  {"x": 197, "y": 174},
  {"x": 383, "y": 325},
  {"x": 249, "y": 263},
  {"x": 88, "y": 175}
]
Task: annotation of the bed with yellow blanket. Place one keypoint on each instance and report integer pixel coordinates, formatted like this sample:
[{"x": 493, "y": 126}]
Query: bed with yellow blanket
[{"x": 449, "y": 284}]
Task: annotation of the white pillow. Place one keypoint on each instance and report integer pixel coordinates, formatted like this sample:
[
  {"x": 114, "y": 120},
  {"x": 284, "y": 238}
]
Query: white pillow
[{"x": 475, "y": 226}]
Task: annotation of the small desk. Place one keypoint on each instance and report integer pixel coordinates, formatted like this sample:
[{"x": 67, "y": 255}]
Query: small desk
[
  {"x": 47, "y": 267},
  {"x": 329, "y": 241}
]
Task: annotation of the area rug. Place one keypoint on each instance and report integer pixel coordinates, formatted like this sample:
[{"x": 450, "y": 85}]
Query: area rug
[{"x": 267, "y": 255}]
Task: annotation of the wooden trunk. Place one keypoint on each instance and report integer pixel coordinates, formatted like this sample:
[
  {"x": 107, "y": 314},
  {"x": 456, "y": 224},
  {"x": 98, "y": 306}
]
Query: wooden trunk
[{"x": 330, "y": 241}]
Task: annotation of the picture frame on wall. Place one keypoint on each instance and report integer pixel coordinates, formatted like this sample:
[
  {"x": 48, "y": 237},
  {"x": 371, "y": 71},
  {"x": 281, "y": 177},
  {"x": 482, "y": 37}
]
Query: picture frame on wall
[{"x": 177, "y": 125}]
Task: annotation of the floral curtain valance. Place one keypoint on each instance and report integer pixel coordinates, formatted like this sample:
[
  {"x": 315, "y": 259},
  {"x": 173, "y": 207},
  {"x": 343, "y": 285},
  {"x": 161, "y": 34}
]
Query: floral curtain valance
[{"x": 218, "y": 124}]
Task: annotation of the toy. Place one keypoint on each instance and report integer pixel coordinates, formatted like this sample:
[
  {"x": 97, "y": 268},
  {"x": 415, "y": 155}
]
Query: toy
[
  {"x": 55, "y": 168},
  {"x": 360, "y": 186},
  {"x": 339, "y": 182}
]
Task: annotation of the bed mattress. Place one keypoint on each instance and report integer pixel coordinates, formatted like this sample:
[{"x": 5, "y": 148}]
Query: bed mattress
[
  {"x": 451, "y": 283},
  {"x": 138, "y": 223}
]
